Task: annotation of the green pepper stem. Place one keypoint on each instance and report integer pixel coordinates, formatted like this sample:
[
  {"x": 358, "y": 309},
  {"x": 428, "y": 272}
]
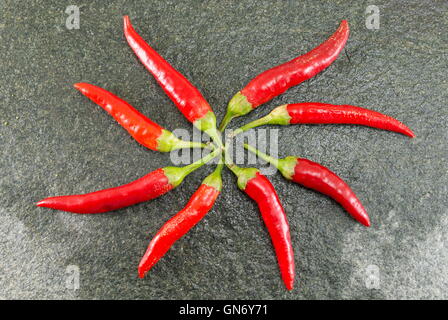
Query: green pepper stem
[
  {"x": 243, "y": 174},
  {"x": 234, "y": 168},
  {"x": 208, "y": 124},
  {"x": 228, "y": 117},
  {"x": 238, "y": 106},
  {"x": 181, "y": 144},
  {"x": 214, "y": 179},
  {"x": 279, "y": 115},
  {"x": 219, "y": 167},
  {"x": 229, "y": 163},
  {"x": 256, "y": 123},
  {"x": 220, "y": 164},
  {"x": 264, "y": 156},
  {"x": 213, "y": 133},
  {"x": 195, "y": 165},
  {"x": 228, "y": 160},
  {"x": 176, "y": 175}
]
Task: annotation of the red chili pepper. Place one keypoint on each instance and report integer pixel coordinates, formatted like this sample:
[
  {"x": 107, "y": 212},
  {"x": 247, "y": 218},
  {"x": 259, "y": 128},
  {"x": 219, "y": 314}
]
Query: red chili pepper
[
  {"x": 196, "y": 109},
  {"x": 317, "y": 177},
  {"x": 148, "y": 187},
  {"x": 185, "y": 96},
  {"x": 277, "y": 80},
  {"x": 199, "y": 205},
  {"x": 322, "y": 113},
  {"x": 141, "y": 128},
  {"x": 260, "y": 189}
]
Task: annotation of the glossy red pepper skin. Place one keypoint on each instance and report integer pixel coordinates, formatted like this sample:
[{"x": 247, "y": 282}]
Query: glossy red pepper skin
[
  {"x": 322, "y": 113},
  {"x": 197, "y": 207},
  {"x": 261, "y": 190},
  {"x": 186, "y": 97},
  {"x": 277, "y": 80},
  {"x": 148, "y": 187},
  {"x": 317, "y": 177}
]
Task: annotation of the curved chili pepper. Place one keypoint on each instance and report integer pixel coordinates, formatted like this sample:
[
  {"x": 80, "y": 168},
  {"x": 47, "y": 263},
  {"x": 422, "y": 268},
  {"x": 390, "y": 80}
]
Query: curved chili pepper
[
  {"x": 277, "y": 80},
  {"x": 260, "y": 189},
  {"x": 148, "y": 187},
  {"x": 141, "y": 128},
  {"x": 317, "y": 177},
  {"x": 185, "y": 96},
  {"x": 323, "y": 113},
  {"x": 197, "y": 207}
]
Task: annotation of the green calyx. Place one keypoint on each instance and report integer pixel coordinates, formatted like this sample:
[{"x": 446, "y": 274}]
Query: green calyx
[
  {"x": 167, "y": 142},
  {"x": 286, "y": 165},
  {"x": 243, "y": 174},
  {"x": 176, "y": 175},
  {"x": 208, "y": 124},
  {"x": 238, "y": 106},
  {"x": 279, "y": 116},
  {"x": 214, "y": 179}
]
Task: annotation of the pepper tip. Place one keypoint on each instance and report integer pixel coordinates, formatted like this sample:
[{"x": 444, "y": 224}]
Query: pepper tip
[
  {"x": 141, "y": 273},
  {"x": 366, "y": 222},
  {"x": 42, "y": 203},
  {"x": 404, "y": 129},
  {"x": 343, "y": 24},
  {"x": 126, "y": 20}
]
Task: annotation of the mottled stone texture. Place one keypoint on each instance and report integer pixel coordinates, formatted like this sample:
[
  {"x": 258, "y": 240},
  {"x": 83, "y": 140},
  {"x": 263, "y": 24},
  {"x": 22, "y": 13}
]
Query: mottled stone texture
[{"x": 54, "y": 141}]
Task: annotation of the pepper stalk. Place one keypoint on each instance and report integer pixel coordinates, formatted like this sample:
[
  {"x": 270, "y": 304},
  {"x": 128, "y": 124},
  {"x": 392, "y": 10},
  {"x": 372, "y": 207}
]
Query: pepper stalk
[{"x": 176, "y": 175}]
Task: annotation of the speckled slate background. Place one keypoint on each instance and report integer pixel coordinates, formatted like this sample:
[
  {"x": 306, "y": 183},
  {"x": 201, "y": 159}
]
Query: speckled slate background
[{"x": 54, "y": 141}]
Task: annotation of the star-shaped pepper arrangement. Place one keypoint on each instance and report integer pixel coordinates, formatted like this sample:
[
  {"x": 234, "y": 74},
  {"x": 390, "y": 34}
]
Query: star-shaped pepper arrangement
[{"x": 196, "y": 109}]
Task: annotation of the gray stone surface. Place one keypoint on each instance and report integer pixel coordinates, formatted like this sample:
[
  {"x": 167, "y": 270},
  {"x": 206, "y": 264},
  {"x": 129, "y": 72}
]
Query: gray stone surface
[{"x": 54, "y": 141}]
